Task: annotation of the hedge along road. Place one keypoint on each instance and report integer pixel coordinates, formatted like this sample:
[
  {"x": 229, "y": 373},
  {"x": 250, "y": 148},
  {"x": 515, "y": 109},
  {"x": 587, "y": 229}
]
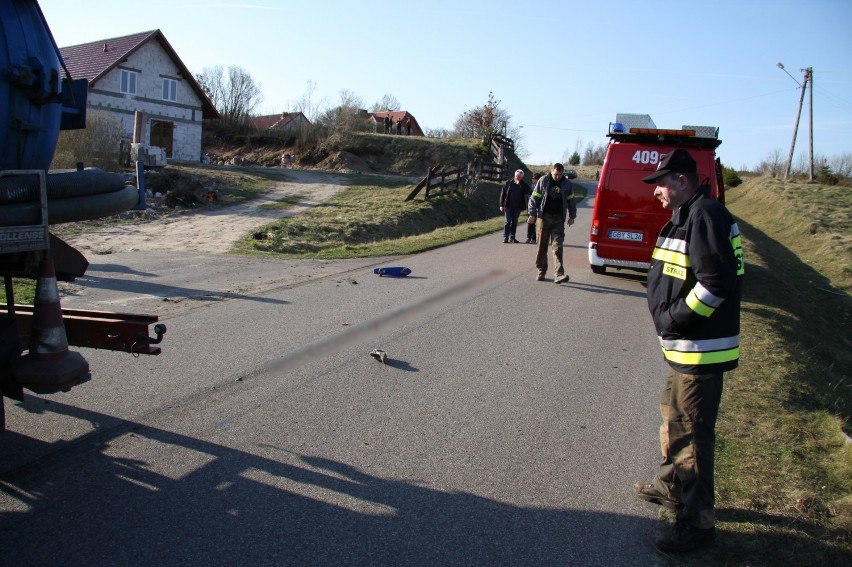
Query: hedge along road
[{"x": 508, "y": 426}]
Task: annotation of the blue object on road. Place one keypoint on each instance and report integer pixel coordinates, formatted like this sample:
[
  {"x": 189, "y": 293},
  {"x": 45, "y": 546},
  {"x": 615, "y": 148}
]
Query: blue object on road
[{"x": 393, "y": 271}]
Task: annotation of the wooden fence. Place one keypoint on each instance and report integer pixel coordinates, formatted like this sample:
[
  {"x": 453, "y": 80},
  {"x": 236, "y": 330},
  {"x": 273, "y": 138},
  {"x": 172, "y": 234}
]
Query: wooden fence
[{"x": 440, "y": 180}]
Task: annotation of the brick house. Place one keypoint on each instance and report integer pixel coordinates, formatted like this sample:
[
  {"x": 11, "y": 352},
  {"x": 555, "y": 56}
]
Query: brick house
[
  {"x": 282, "y": 121},
  {"x": 378, "y": 118},
  {"x": 142, "y": 73}
]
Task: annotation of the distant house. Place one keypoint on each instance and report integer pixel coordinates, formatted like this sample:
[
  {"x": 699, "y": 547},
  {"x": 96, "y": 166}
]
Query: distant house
[
  {"x": 378, "y": 118},
  {"x": 142, "y": 73},
  {"x": 282, "y": 121}
]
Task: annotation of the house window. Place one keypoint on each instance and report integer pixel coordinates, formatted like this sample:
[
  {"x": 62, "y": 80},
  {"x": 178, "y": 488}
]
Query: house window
[
  {"x": 128, "y": 82},
  {"x": 169, "y": 89}
]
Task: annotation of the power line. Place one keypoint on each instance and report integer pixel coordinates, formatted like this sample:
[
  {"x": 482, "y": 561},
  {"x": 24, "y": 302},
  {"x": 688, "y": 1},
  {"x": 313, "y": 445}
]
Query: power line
[
  {"x": 558, "y": 128},
  {"x": 840, "y": 102}
]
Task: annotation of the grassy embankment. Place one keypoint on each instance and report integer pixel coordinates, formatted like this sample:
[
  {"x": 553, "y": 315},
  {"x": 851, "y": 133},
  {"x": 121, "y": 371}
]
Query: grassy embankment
[{"x": 372, "y": 218}]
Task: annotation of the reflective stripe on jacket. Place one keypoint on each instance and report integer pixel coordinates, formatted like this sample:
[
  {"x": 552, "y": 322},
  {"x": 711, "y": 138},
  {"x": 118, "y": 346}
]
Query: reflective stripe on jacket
[{"x": 695, "y": 285}]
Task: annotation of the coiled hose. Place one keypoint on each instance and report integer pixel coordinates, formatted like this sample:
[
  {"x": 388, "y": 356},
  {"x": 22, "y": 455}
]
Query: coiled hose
[{"x": 71, "y": 196}]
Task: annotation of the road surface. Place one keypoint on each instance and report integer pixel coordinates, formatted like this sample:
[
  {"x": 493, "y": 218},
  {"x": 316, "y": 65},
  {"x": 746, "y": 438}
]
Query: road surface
[{"x": 507, "y": 428}]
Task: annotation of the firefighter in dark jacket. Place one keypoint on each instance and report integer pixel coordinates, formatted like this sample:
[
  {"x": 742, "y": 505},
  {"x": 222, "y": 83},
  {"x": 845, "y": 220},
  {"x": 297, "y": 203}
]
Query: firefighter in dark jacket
[{"x": 694, "y": 288}]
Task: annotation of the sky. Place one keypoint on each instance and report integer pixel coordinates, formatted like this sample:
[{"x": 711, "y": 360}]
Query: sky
[{"x": 561, "y": 69}]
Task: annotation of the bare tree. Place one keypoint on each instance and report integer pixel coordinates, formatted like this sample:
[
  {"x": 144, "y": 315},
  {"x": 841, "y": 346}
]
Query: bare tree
[
  {"x": 841, "y": 164},
  {"x": 801, "y": 163},
  {"x": 773, "y": 164},
  {"x": 305, "y": 103},
  {"x": 516, "y": 133},
  {"x": 482, "y": 121},
  {"x": 438, "y": 133},
  {"x": 348, "y": 116},
  {"x": 234, "y": 94},
  {"x": 388, "y": 102},
  {"x": 594, "y": 155}
]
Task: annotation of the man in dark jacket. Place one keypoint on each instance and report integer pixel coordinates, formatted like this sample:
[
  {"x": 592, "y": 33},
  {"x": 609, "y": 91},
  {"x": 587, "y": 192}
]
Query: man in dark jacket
[
  {"x": 694, "y": 289},
  {"x": 512, "y": 198},
  {"x": 551, "y": 201}
]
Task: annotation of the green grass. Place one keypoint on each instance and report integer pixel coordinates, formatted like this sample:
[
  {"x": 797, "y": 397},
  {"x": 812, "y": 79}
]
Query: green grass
[
  {"x": 24, "y": 290},
  {"x": 372, "y": 218},
  {"x": 783, "y": 468},
  {"x": 284, "y": 203}
]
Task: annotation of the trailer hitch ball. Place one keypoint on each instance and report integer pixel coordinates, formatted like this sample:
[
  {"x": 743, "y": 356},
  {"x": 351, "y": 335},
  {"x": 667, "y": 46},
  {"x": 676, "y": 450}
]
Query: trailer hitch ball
[{"x": 159, "y": 331}]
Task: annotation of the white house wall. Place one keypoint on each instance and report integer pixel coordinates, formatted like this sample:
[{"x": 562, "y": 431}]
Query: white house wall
[{"x": 153, "y": 64}]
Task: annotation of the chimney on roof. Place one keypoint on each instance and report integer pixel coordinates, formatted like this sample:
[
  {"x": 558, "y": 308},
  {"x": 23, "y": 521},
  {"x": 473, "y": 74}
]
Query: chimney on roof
[{"x": 106, "y": 48}]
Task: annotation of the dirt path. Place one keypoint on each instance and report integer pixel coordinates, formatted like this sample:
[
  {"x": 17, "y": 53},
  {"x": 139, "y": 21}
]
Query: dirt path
[{"x": 212, "y": 230}]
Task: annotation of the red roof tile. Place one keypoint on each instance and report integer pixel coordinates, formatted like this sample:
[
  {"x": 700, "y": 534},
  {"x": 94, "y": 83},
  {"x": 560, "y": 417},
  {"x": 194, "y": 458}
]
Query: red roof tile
[
  {"x": 94, "y": 60},
  {"x": 402, "y": 115},
  {"x": 279, "y": 120}
]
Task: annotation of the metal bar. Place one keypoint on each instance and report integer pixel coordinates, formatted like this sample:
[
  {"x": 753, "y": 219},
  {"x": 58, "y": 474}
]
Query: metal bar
[{"x": 124, "y": 332}]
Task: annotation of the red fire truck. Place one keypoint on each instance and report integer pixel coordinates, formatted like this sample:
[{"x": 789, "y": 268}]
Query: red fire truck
[{"x": 627, "y": 218}]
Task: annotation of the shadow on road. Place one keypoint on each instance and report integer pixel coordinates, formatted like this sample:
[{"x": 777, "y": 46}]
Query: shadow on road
[
  {"x": 120, "y": 269},
  {"x": 171, "y": 292},
  {"x": 603, "y": 289},
  {"x": 204, "y": 503}
]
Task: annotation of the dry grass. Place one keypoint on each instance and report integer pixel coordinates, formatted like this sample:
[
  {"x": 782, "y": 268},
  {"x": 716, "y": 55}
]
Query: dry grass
[{"x": 372, "y": 218}]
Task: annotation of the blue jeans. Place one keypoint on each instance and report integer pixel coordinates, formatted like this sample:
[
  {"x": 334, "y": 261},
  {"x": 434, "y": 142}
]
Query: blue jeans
[{"x": 511, "y": 226}]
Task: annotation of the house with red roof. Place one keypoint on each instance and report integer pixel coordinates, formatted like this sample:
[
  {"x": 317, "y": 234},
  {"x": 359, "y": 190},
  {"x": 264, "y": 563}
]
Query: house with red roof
[
  {"x": 281, "y": 121},
  {"x": 141, "y": 73},
  {"x": 378, "y": 119}
]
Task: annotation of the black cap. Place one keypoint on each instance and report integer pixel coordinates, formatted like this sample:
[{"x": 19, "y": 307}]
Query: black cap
[{"x": 678, "y": 161}]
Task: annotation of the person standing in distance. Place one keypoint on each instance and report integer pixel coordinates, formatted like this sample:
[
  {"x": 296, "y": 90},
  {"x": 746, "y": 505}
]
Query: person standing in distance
[
  {"x": 694, "y": 291},
  {"x": 551, "y": 202},
  {"x": 512, "y": 202}
]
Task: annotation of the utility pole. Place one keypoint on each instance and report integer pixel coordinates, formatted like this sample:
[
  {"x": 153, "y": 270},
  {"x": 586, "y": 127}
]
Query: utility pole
[
  {"x": 809, "y": 76},
  {"x": 804, "y": 85}
]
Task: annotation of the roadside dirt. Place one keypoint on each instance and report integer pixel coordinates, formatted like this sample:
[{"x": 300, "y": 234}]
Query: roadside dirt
[{"x": 211, "y": 230}]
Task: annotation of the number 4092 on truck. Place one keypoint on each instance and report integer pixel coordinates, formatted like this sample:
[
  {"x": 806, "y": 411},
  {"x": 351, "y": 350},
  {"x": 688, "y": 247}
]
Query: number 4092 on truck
[{"x": 627, "y": 218}]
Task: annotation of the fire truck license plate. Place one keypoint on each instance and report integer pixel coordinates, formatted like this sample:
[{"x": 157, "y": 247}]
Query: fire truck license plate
[{"x": 625, "y": 235}]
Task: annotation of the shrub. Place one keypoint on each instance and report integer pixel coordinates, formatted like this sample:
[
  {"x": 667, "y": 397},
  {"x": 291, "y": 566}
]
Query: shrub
[
  {"x": 730, "y": 177},
  {"x": 827, "y": 177},
  {"x": 96, "y": 145}
]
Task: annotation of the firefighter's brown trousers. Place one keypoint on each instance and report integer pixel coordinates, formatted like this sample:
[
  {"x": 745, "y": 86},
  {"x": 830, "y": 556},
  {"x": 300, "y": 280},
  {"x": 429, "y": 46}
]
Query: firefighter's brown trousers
[{"x": 689, "y": 407}]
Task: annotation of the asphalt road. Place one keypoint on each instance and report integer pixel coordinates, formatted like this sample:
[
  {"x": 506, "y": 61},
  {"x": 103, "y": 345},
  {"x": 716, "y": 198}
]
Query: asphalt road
[{"x": 507, "y": 428}]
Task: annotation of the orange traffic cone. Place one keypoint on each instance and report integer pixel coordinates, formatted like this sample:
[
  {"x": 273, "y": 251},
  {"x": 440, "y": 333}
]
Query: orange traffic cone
[{"x": 49, "y": 366}]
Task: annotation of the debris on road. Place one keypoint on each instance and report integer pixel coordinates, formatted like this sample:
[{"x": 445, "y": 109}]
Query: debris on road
[
  {"x": 393, "y": 271},
  {"x": 379, "y": 355}
]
